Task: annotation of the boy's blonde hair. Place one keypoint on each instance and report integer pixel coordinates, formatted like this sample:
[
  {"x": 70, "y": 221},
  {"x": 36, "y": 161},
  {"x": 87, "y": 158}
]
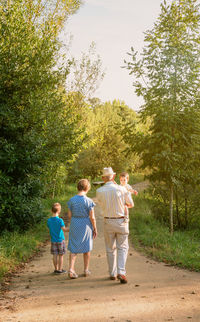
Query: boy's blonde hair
[
  {"x": 124, "y": 174},
  {"x": 56, "y": 207},
  {"x": 83, "y": 185}
]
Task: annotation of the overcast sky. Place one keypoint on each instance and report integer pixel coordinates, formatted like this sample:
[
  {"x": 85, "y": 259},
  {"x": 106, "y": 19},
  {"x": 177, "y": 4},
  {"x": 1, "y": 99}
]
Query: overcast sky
[{"x": 115, "y": 26}]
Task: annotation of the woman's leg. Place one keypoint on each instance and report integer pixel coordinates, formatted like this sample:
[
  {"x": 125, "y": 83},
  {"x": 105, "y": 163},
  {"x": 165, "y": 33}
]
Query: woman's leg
[
  {"x": 86, "y": 259},
  {"x": 72, "y": 259}
]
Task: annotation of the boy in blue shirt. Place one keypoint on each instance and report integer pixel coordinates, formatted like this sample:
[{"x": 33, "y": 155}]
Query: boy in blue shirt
[{"x": 56, "y": 228}]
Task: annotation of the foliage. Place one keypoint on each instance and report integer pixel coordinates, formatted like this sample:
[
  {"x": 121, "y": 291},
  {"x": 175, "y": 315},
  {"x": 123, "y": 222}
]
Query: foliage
[
  {"x": 82, "y": 81},
  {"x": 154, "y": 239},
  {"x": 168, "y": 78},
  {"x": 182, "y": 219},
  {"x": 16, "y": 248},
  {"x": 64, "y": 142},
  {"x": 86, "y": 73},
  {"x": 31, "y": 104},
  {"x": 105, "y": 143}
]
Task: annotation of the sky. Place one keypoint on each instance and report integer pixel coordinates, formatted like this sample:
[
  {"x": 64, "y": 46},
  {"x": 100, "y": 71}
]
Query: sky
[{"x": 115, "y": 26}]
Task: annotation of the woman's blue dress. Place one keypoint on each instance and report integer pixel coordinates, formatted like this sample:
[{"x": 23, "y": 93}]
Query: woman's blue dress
[{"x": 80, "y": 232}]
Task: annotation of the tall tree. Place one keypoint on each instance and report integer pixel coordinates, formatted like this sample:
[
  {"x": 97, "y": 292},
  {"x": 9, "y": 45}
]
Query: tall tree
[
  {"x": 86, "y": 73},
  {"x": 30, "y": 96},
  {"x": 168, "y": 78},
  {"x": 105, "y": 124}
]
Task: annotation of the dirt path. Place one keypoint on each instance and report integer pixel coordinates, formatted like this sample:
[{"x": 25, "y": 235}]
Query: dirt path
[{"x": 155, "y": 292}]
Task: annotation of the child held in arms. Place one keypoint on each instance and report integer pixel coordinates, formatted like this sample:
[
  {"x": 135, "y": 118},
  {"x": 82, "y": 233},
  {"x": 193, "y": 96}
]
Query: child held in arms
[
  {"x": 124, "y": 179},
  {"x": 56, "y": 228}
]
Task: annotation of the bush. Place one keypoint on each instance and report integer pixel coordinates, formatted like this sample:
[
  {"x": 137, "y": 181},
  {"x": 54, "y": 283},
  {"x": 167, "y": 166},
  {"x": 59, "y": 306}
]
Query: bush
[{"x": 20, "y": 205}]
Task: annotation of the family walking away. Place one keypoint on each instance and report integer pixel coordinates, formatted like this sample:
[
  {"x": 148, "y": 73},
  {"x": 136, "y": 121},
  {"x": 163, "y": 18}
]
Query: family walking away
[{"x": 114, "y": 201}]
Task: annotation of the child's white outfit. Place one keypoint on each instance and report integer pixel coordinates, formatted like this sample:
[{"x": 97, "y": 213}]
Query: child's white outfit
[
  {"x": 126, "y": 212},
  {"x": 128, "y": 187}
]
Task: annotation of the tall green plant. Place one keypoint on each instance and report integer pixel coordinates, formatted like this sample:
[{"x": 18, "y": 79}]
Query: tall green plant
[
  {"x": 168, "y": 78},
  {"x": 31, "y": 103},
  {"x": 105, "y": 124}
]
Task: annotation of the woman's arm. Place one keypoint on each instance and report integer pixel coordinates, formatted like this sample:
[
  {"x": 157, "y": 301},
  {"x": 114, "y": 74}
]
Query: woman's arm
[
  {"x": 65, "y": 229},
  {"x": 69, "y": 214},
  {"x": 93, "y": 221}
]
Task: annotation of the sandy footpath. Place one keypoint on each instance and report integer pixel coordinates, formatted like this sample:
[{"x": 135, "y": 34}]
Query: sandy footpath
[{"x": 155, "y": 292}]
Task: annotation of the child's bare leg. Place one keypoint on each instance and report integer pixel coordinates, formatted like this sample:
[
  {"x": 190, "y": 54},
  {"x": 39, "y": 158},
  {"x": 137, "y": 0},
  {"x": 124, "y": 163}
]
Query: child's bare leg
[
  {"x": 86, "y": 259},
  {"x": 60, "y": 262},
  {"x": 55, "y": 261},
  {"x": 72, "y": 259}
]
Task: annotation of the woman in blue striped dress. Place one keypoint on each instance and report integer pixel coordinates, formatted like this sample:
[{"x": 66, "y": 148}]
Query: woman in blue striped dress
[{"x": 82, "y": 227}]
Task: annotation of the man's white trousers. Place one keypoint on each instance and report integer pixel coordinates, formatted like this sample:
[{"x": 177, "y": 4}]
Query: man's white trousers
[{"x": 116, "y": 241}]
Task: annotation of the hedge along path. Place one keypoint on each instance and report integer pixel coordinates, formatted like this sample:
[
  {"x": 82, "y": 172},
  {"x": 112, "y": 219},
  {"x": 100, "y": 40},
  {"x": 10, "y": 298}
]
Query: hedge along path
[{"x": 155, "y": 292}]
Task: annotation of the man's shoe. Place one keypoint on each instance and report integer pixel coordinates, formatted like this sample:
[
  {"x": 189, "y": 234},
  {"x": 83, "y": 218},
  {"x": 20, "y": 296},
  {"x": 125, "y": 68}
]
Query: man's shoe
[
  {"x": 122, "y": 278},
  {"x": 113, "y": 278}
]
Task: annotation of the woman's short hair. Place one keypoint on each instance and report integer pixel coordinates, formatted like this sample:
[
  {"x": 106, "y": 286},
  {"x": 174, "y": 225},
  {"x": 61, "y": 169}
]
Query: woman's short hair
[
  {"x": 56, "y": 207},
  {"x": 83, "y": 185}
]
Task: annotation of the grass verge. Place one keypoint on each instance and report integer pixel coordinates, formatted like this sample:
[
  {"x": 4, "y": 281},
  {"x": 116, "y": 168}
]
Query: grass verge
[
  {"x": 16, "y": 248},
  {"x": 154, "y": 239}
]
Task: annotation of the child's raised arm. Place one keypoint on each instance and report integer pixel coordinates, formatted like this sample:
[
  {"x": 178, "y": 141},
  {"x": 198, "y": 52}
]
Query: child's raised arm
[{"x": 133, "y": 191}]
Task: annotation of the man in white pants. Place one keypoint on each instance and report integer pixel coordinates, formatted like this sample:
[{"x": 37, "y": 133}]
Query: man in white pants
[{"x": 112, "y": 198}]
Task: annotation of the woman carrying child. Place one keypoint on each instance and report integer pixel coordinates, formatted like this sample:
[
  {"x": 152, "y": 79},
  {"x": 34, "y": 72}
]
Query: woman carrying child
[{"x": 82, "y": 227}]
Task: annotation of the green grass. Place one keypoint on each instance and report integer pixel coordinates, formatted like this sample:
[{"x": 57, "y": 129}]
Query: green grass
[
  {"x": 154, "y": 239},
  {"x": 16, "y": 248},
  {"x": 135, "y": 178}
]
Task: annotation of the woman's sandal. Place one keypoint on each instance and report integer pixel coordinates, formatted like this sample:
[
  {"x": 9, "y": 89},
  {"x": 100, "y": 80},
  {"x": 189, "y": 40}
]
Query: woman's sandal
[
  {"x": 72, "y": 275},
  {"x": 87, "y": 273}
]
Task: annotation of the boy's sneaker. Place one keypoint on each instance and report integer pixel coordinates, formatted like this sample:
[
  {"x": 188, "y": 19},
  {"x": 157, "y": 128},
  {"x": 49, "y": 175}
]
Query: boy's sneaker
[{"x": 61, "y": 272}]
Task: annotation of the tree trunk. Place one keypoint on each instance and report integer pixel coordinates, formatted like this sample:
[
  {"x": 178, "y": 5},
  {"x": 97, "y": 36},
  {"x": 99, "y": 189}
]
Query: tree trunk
[
  {"x": 186, "y": 210},
  {"x": 177, "y": 210},
  {"x": 171, "y": 209}
]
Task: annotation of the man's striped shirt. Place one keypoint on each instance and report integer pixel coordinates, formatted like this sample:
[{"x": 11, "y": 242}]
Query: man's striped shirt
[{"x": 112, "y": 199}]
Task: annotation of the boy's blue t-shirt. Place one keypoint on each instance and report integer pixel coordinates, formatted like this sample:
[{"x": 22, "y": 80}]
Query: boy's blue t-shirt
[{"x": 54, "y": 224}]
